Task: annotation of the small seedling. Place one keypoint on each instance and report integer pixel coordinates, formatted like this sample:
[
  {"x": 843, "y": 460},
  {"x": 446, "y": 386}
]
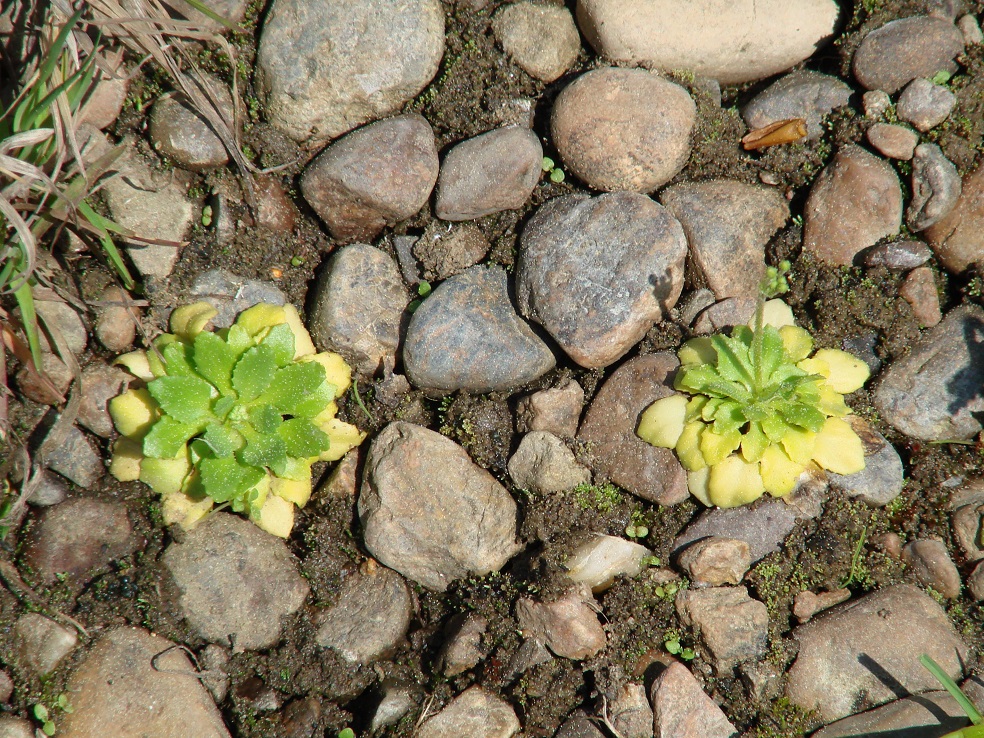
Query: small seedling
[
  {"x": 207, "y": 216},
  {"x": 346, "y": 733},
  {"x": 423, "y": 290},
  {"x": 233, "y": 417},
  {"x": 755, "y": 409},
  {"x": 46, "y": 717},
  {"x": 553, "y": 172},
  {"x": 675, "y": 648},
  {"x": 297, "y": 261}
]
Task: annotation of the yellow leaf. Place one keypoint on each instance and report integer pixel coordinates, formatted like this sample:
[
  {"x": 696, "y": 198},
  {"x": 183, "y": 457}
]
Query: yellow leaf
[
  {"x": 137, "y": 364},
  {"x": 188, "y": 321},
  {"x": 846, "y": 372},
  {"x": 295, "y": 491},
  {"x": 698, "y": 350},
  {"x": 779, "y": 473},
  {"x": 133, "y": 412},
  {"x": 715, "y": 447},
  {"x": 164, "y": 476},
  {"x": 688, "y": 446},
  {"x": 662, "y": 422},
  {"x": 838, "y": 448},
  {"x": 697, "y": 484},
  {"x": 276, "y": 516},
  {"x": 344, "y": 437},
  {"x": 733, "y": 482},
  {"x": 337, "y": 371},
  {"x": 797, "y": 342},
  {"x": 259, "y": 319},
  {"x": 777, "y": 314},
  {"x": 303, "y": 345},
  {"x": 799, "y": 444},
  {"x": 127, "y": 455},
  {"x": 184, "y": 510}
]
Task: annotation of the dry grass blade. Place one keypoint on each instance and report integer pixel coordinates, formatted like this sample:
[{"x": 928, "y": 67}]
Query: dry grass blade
[{"x": 146, "y": 28}]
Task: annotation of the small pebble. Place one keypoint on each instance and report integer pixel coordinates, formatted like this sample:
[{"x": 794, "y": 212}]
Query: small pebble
[
  {"x": 716, "y": 561},
  {"x": 214, "y": 660},
  {"x": 875, "y": 103},
  {"x": 568, "y": 626},
  {"x": 463, "y": 643},
  {"x": 932, "y": 566},
  {"x": 898, "y": 52},
  {"x": 600, "y": 560},
  {"x": 178, "y": 131},
  {"x": 542, "y": 39},
  {"x": 971, "y": 30},
  {"x": 77, "y": 459},
  {"x": 920, "y": 291},
  {"x": 543, "y": 464},
  {"x": 881, "y": 480},
  {"x": 807, "y": 604},
  {"x": 732, "y": 625},
  {"x": 445, "y": 250},
  {"x": 892, "y": 141},
  {"x": 104, "y": 103},
  {"x": 100, "y": 383},
  {"x": 231, "y": 294},
  {"x": 956, "y": 239},
  {"x": 6, "y": 687},
  {"x": 116, "y": 324},
  {"x": 398, "y": 700},
  {"x": 474, "y": 713},
  {"x": 631, "y": 714},
  {"x": 924, "y": 104},
  {"x": 725, "y": 314},
  {"x": 56, "y": 315},
  {"x": 51, "y": 490},
  {"x": 803, "y": 94},
  {"x": 40, "y": 643},
  {"x": 681, "y": 709},
  {"x": 936, "y": 187},
  {"x": 489, "y": 173},
  {"x": 890, "y": 543},
  {"x": 898, "y": 255},
  {"x": 300, "y": 718},
  {"x": 59, "y": 378},
  {"x": 556, "y": 410},
  {"x": 975, "y": 583}
]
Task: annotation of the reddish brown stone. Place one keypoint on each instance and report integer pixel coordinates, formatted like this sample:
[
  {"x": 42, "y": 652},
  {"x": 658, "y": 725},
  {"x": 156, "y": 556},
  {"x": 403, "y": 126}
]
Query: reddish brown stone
[{"x": 958, "y": 239}]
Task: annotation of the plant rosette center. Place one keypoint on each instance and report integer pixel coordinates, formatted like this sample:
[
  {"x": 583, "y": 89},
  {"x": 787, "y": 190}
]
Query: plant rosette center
[
  {"x": 756, "y": 409},
  {"x": 232, "y": 417}
]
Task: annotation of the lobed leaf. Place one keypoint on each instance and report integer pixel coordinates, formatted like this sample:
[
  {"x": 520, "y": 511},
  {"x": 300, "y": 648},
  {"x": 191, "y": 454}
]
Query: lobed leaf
[
  {"x": 214, "y": 360},
  {"x": 167, "y": 438},
  {"x": 254, "y": 372},
  {"x": 222, "y": 440},
  {"x": 265, "y": 418},
  {"x": 226, "y": 479},
  {"x": 280, "y": 340},
  {"x": 292, "y": 384},
  {"x": 303, "y": 439},
  {"x": 264, "y": 450},
  {"x": 184, "y": 398}
]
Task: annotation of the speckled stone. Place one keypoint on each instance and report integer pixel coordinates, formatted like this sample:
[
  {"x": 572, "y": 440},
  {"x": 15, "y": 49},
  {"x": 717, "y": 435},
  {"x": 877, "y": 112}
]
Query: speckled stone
[
  {"x": 895, "y": 142},
  {"x": 802, "y": 94},
  {"x": 957, "y": 239},
  {"x": 542, "y": 39},
  {"x": 936, "y": 187},
  {"x": 901, "y": 50},
  {"x": 924, "y": 104}
]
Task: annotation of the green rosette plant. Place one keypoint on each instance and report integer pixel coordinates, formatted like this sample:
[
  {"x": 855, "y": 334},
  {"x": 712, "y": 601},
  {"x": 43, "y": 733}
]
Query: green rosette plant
[
  {"x": 231, "y": 417},
  {"x": 757, "y": 408}
]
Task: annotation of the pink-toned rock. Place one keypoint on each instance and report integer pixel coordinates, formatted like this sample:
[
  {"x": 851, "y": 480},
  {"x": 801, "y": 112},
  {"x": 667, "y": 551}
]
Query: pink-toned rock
[
  {"x": 716, "y": 561},
  {"x": 855, "y": 202},
  {"x": 958, "y": 238},
  {"x": 682, "y": 710},
  {"x": 807, "y": 604},
  {"x": 569, "y": 626},
  {"x": 919, "y": 290}
]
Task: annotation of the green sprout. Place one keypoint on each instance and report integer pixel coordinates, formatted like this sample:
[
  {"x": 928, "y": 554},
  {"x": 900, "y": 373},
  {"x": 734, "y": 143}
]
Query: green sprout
[
  {"x": 207, "y": 216},
  {"x": 423, "y": 290},
  {"x": 234, "y": 417},
  {"x": 550, "y": 168},
  {"x": 754, "y": 409},
  {"x": 46, "y": 717},
  {"x": 671, "y": 642},
  {"x": 976, "y": 729}
]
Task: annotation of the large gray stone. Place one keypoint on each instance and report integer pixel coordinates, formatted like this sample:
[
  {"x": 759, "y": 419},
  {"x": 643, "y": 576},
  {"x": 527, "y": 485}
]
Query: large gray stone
[
  {"x": 598, "y": 272},
  {"x": 895, "y": 54},
  {"x": 467, "y": 336},
  {"x": 429, "y": 512},
  {"x": 803, "y": 94},
  {"x": 928, "y": 715},
  {"x": 237, "y": 582},
  {"x": 728, "y": 225},
  {"x": 328, "y": 66},
  {"x": 937, "y": 390},
  {"x": 474, "y": 713},
  {"x": 862, "y": 653}
]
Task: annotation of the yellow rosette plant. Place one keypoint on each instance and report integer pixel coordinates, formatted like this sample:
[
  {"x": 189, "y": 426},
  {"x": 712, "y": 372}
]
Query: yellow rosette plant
[
  {"x": 232, "y": 417},
  {"x": 755, "y": 409}
]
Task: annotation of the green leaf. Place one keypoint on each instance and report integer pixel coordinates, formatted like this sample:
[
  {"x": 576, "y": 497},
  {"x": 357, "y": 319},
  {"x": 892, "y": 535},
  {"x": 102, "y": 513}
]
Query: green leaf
[
  {"x": 773, "y": 351},
  {"x": 237, "y": 339},
  {"x": 734, "y": 362},
  {"x": 226, "y": 479},
  {"x": 728, "y": 416},
  {"x": 265, "y": 418},
  {"x": 292, "y": 384},
  {"x": 280, "y": 340},
  {"x": 254, "y": 372},
  {"x": 223, "y": 441},
  {"x": 774, "y": 427},
  {"x": 177, "y": 359},
  {"x": 214, "y": 360},
  {"x": 183, "y": 398},
  {"x": 303, "y": 438},
  {"x": 167, "y": 437},
  {"x": 264, "y": 449},
  {"x": 804, "y": 416},
  {"x": 223, "y": 405},
  {"x": 315, "y": 401}
]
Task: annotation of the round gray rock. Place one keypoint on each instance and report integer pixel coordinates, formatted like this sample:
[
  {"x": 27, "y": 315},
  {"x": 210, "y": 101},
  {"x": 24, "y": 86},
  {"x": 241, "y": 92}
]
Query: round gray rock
[
  {"x": 358, "y": 307},
  {"x": 730, "y": 42},
  {"x": 542, "y": 39},
  {"x": 466, "y": 335},
  {"x": 141, "y": 685},
  {"x": 855, "y": 202},
  {"x": 846, "y": 654},
  {"x": 925, "y": 105},
  {"x": 937, "y": 390},
  {"x": 728, "y": 225},
  {"x": 328, "y": 66},
  {"x": 895, "y": 54},
  {"x": 370, "y": 616},
  {"x": 237, "y": 582},
  {"x": 597, "y": 273},
  {"x": 179, "y": 132},
  {"x": 623, "y": 129},
  {"x": 373, "y": 177},
  {"x": 803, "y": 94},
  {"x": 429, "y": 512},
  {"x": 490, "y": 173}
]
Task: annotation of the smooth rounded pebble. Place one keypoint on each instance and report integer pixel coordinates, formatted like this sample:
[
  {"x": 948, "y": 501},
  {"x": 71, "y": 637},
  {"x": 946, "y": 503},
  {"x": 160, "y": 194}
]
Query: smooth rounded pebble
[
  {"x": 804, "y": 94},
  {"x": 920, "y": 291},
  {"x": 40, "y": 643},
  {"x": 370, "y": 616},
  {"x": 728, "y": 225},
  {"x": 178, "y": 131},
  {"x": 490, "y": 173},
  {"x": 542, "y": 39},
  {"x": 623, "y": 129},
  {"x": 100, "y": 383},
  {"x": 237, "y": 582},
  {"x": 598, "y": 561},
  {"x": 358, "y": 307},
  {"x": 116, "y": 322},
  {"x": 597, "y": 273},
  {"x": 925, "y": 105},
  {"x": 141, "y": 685},
  {"x": 892, "y": 56},
  {"x": 957, "y": 239},
  {"x": 931, "y": 565},
  {"x": 854, "y": 203},
  {"x": 325, "y": 67},
  {"x": 844, "y": 654},
  {"x": 716, "y": 561},
  {"x": 936, "y": 391},
  {"x": 373, "y": 177},
  {"x": 609, "y": 426},
  {"x": 429, "y": 512},
  {"x": 730, "y": 42},
  {"x": 898, "y": 255},
  {"x": 467, "y": 336},
  {"x": 474, "y": 713},
  {"x": 892, "y": 141}
]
